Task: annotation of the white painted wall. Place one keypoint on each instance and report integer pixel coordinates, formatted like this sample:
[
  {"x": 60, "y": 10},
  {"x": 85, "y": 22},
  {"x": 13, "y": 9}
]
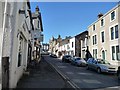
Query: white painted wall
[
  {"x": 72, "y": 49},
  {"x": 13, "y": 30}
]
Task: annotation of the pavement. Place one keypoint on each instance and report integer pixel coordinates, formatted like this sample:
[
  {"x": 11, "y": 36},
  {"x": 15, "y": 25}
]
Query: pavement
[{"x": 43, "y": 76}]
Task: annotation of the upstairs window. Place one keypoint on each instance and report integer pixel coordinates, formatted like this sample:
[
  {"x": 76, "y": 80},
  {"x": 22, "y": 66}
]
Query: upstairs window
[
  {"x": 72, "y": 44},
  {"x": 102, "y": 36},
  {"x": 102, "y": 22},
  {"x": 112, "y": 33},
  {"x": 94, "y": 39},
  {"x": 38, "y": 24},
  {"x": 93, "y": 27},
  {"x": 113, "y": 15},
  {"x": 116, "y": 31}
]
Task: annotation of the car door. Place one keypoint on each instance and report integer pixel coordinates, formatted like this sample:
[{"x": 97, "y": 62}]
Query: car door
[
  {"x": 94, "y": 65},
  {"x": 90, "y": 63}
]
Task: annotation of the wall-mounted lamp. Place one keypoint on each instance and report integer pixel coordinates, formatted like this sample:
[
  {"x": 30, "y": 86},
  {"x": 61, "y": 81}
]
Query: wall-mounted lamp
[
  {"x": 21, "y": 11},
  {"x": 28, "y": 9},
  {"x": 27, "y": 16}
]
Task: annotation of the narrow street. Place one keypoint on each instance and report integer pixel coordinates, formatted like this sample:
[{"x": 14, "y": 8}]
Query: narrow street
[
  {"x": 85, "y": 79},
  {"x": 42, "y": 76}
]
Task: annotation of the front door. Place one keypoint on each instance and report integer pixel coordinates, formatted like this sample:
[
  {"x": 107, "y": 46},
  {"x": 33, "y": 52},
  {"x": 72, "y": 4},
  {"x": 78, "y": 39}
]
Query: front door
[{"x": 103, "y": 54}]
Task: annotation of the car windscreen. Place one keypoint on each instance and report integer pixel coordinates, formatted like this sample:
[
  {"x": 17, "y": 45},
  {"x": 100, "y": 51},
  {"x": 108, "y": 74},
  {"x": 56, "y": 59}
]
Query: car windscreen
[{"x": 100, "y": 61}]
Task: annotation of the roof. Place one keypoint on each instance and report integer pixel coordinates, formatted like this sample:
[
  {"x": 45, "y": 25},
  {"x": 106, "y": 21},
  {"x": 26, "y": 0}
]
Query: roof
[{"x": 105, "y": 14}]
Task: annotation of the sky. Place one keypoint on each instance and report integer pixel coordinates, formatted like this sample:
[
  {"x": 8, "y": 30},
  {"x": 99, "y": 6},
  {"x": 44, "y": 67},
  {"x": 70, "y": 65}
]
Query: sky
[{"x": 69, "y": 18}]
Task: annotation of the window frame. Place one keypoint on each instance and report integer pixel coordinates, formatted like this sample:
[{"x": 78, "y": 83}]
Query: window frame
[
  {"x": 101, "y": 22},
  {"x": 103, "y": 37},
  {"x": 111, "y": 20},
  {"x": 116, "y": 52},
  {"x": 94, "y": 27},
  {"x": 114, "y": 32}
]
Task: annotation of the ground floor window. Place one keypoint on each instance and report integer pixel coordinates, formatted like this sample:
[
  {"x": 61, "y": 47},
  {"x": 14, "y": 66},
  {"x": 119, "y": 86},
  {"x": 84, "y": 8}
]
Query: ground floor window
[
  {"x": 95, "y": 53},
  {"x": 20, "y": 51},
  {"x": 115, "y": 53}
]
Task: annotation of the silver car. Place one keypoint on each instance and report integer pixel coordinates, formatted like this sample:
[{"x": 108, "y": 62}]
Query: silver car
[
  {"x": 78, "y": 61},
  {"x": 101, "y": 65}
]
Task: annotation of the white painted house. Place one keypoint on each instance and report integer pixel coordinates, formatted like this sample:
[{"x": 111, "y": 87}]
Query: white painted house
[
  {"x": 16, "y": 27},
  {"x": 72, "y": 46}
]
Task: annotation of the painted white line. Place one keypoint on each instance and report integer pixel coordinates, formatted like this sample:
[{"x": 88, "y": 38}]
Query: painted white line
[
  {"x": 69, "y": 72},
  {"x": 91, "y": 81}
]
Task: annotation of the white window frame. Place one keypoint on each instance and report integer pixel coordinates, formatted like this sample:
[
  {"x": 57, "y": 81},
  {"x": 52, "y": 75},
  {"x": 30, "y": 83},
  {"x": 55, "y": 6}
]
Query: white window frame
[
  {"x": 97, "y": 52},
  {"x": 115, "y": 16},
  {"x": 115, "y": 51},
  {"x": 114, "y": 31},
  {"x": 101, "y": 36},
  {"x": 93, "y": 28},
  {"x": 96, "y": 39},
  {"x": 103, "y": 22}
]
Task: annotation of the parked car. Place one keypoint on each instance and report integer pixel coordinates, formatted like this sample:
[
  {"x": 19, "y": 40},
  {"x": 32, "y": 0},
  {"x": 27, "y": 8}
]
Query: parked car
[
  {"x": 101, "y": 65},
  {"x": 66, "y": 58},
  {"x": 78, "y": 61},
  {"x": 53, "y": 55},
  {"x": 118, "y": 73}
]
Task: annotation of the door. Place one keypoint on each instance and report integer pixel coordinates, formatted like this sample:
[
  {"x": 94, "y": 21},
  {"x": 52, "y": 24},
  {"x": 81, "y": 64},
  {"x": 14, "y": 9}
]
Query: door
[
  {"x": 5, "y": 72},
  {"x": 103, "y": 54}
]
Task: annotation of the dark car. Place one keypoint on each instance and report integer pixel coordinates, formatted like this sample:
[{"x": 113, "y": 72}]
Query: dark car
[
  {"x": 53, "y": 55},
  {"x": 66, "y": 58},
  {"x": 118, "y": 73},
  {"x": 101, "y": 65}
]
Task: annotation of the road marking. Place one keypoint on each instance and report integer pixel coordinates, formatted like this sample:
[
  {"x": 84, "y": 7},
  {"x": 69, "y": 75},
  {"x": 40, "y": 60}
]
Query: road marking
[
  {"x": 69, "y": 72},
  {"x": 84, "y": 73},
  {"x": 62, "y": 67},
  {"x": 91, "y": 81}
]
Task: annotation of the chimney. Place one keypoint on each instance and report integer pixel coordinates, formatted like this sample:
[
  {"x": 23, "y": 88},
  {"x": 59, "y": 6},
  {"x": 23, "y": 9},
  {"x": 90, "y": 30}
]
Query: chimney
[
  {"x": 37, "y": 9},
  {"x": 100, "y": 15}
]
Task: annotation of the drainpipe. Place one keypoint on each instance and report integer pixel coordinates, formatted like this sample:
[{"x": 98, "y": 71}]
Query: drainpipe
[{"x": 1, "y": 37}]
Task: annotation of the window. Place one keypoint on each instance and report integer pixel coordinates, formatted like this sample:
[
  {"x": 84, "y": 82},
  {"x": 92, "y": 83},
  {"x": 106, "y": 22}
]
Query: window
[
  {"x": 20, "y": 51},
  {"x": 72, "y": 44},
  {"x": 102, "y": 36},
  {"x": 95, "y": 53},
  {"x": 116, "y": 31},
  {"x": 113, "y": 53},
  {"x": 94, "y": 39},
  {"x": 102, "y": 22},
  {"x": 112, "y": 33},
  {"x": 117, "y": 52},
  {"x": 93, "y": 27},
  {"x": 113, "y": 15},
  {"x": 38, "y": 24}
]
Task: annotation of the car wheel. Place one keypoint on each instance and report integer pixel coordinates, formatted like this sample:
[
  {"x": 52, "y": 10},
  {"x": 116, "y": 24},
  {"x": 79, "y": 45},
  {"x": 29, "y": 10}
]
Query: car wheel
[
  {"x": 119, "y": 75},
  {"x": 98, "y": 70},
  {"x": 87, "y": 67}
]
